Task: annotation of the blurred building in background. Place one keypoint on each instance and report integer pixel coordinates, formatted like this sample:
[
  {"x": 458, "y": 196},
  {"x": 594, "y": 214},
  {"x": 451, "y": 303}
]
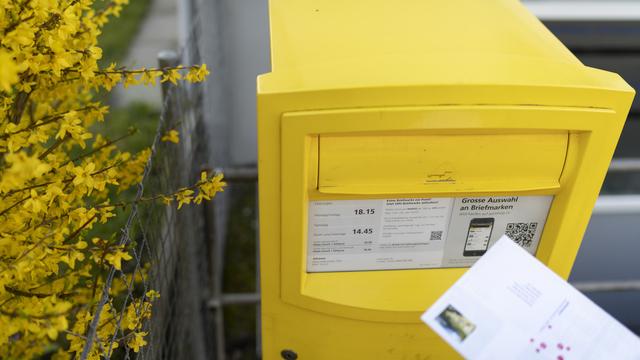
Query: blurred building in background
[{"x": 606, "y": 35}]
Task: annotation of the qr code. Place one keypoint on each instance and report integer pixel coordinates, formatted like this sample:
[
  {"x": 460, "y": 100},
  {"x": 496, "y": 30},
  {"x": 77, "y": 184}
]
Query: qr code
[
  {"x": 522, "y": 233},
  {"x": 436, "y": 235}
]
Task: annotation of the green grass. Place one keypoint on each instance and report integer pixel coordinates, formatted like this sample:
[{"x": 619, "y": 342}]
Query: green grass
[
  {"x": 119, "y": 32},
  {"x": 142, "y": 116},
  {"x": 145, "y": 119}
]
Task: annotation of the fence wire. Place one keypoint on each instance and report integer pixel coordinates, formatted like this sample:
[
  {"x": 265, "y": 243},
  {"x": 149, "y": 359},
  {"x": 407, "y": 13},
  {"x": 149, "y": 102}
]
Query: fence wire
[{"x": 167, "y": 244}]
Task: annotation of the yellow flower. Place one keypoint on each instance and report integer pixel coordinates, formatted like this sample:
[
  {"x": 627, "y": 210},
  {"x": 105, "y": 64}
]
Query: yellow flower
[
  {"x": 149, "y": 76},
  {"x": 197, "y": 73},
  {"x": 138, "y": 341},
  {"x": 130, "y": 79},
  {"x": 84, "y": 177},
  {"x": 152, "y": 295},
  {"x": 207, "y": 188},
  {"x": 171, "y": 135},
  {"x": 172, "y": 75},
  {"x": 96, "y": 52},
  {"x": 22, "y": 35},
  {"x": 8, "y": 71},
  {"x": 22, "y": 168},
  {"x": 115, "y": 258},
  {"x": 184, "y": 196},
  {"x": 34, "y": 204}
]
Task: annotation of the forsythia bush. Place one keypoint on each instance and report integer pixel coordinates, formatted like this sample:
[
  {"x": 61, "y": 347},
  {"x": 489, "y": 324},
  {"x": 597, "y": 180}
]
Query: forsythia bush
[{"x": 58, "y": 180}]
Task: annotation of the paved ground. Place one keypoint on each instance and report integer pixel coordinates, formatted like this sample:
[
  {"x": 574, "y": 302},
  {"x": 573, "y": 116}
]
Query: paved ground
[{"x": 159, "y": 31}]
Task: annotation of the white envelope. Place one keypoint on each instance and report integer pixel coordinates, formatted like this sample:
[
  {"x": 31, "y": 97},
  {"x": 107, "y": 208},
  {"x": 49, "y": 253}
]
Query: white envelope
[{"x": 511, "y": 306}]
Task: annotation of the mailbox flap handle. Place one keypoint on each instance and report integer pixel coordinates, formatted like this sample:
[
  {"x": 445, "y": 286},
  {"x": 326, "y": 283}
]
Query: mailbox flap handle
[{"x": 449, "y": 163}]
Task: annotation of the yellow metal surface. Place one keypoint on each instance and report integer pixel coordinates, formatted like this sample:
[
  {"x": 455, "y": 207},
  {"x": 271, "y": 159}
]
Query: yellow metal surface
[
  {"x": 425, "y": 98},
  {"x": 391, "y": 164}
]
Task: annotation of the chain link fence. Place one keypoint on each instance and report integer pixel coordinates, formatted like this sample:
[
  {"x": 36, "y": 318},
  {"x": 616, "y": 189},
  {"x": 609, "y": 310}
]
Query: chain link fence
[{"x": 169, "y": 247}]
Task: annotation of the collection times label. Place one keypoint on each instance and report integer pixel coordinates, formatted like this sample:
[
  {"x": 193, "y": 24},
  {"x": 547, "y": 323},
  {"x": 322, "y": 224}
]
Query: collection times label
[{"x": 417, "y": 233}]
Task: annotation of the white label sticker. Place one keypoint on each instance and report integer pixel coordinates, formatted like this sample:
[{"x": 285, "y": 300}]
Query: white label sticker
[{"x": 418, "y": 233}]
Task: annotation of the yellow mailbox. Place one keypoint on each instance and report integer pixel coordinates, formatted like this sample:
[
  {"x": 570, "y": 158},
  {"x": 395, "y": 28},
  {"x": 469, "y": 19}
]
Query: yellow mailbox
[{"x": 397, "y": 141}]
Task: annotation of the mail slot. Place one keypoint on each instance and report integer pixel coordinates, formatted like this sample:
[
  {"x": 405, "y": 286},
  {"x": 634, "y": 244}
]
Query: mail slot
[
  {"x": 397, "y": 143},
  {"x": 378, "y": 164}
]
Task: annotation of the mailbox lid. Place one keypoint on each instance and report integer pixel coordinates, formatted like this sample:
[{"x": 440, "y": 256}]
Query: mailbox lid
[
  {"x": 480, "y": 162},
  {"x": 494, "y": 42},
  {"x": 331, "y": 30}
]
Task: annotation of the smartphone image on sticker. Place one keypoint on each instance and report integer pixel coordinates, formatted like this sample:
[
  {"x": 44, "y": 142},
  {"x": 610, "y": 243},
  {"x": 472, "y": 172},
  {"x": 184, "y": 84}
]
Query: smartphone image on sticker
[{"x": 478, "y": 236}]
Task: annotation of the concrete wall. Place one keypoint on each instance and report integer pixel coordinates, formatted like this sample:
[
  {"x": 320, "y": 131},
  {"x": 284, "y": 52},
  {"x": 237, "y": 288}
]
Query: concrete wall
[
  {"x": 235, "y": 45},
  {"x": 610, "y": 251}
]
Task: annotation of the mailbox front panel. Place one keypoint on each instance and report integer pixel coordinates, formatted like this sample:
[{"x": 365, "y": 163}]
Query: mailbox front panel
[
  {"x": 402, "y": 156},
  {"x": 509, "y": 165}
]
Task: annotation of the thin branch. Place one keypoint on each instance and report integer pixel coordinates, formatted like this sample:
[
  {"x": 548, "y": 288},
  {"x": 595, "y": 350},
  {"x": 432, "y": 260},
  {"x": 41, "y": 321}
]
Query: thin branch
[
  {"x": 14, "y": 314},
  {"x": 69, "y": 238},
  {"x": 24, "y": 293},
  {"x": 54, "y": 146},
  {"x": 107, "y": 144},
  {"x": 77, "y": 232},
  {"x": 14, "y": 205},
  {"x": 45, "y": 121},
  {"x": 123, "y": 71},
  {"x": 52, "y": 280},
  {"x": 67, "y": 180},
  {"x": 19, "y": 106}
]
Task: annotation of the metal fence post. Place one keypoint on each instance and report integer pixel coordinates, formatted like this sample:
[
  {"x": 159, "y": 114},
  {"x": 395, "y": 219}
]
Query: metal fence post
[
  {"x": 166, "y": 59},
  {"x": 218, "y": 238}
]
